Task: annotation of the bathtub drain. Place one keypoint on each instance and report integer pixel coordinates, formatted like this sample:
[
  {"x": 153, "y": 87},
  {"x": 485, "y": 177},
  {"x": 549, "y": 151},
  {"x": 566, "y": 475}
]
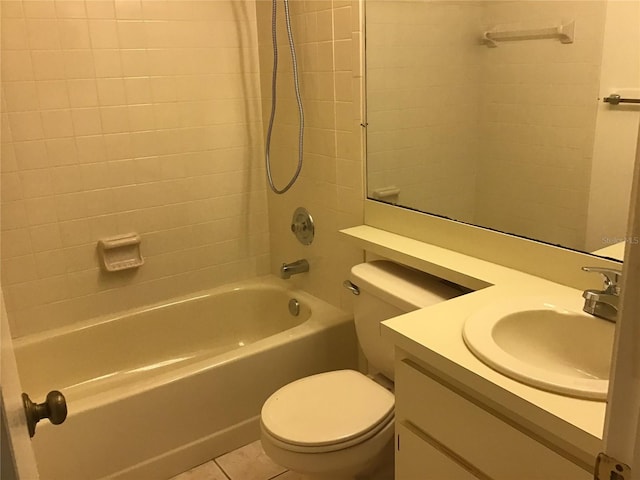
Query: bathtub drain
[{"x": 294, "y": 307}]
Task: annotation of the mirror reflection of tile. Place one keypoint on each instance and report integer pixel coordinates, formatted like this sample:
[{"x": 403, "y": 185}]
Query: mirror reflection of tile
[{"x": 498, "y": 137}]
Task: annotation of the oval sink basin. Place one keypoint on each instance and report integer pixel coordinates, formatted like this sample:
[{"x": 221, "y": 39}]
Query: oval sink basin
[{"x": 544, "y": 345}]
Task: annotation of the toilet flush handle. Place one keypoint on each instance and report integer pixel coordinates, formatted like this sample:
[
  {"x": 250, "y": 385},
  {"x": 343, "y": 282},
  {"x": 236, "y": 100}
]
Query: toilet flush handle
[{"x": 352, "y": 287}]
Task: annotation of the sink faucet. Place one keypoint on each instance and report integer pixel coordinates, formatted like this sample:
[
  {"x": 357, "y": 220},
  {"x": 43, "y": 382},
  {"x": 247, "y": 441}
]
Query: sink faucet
[
  {"x": 288, "y": 269},
  {"x": 603, "y": 303}
]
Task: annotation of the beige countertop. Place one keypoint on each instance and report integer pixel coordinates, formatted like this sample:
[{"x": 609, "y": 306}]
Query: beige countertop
[
  {"x": 433, "y": 335},
  {"x": 612, "y": 251}
]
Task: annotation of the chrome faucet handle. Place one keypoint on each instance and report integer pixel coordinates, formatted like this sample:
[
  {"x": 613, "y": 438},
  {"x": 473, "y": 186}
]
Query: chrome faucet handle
[{"x": 612, "y": 277}]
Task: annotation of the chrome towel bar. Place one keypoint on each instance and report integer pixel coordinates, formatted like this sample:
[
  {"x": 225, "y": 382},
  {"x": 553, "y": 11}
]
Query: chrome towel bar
[
  {"x": 615, "y": 99},
  {"x": 563, "y": 32}
]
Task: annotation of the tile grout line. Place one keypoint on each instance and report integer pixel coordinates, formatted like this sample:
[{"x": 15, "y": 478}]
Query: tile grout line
[
  {"x": 278, "y": 475},
  {"x": 221, "y": 469}
]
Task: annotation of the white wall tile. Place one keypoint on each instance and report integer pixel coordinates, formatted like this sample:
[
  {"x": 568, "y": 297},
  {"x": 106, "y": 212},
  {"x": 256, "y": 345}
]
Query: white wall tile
[{"x": 45, "y": 238}]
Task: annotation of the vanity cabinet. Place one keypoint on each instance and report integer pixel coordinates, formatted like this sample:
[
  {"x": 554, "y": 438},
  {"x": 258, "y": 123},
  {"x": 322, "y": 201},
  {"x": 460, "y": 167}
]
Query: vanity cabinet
[
  {"x": 419, "y": 458},
  {"x": 443, "y": 434}
]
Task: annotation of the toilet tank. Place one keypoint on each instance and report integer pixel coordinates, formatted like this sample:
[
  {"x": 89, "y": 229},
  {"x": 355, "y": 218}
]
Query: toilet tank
[{"x": 387, "y": 290}]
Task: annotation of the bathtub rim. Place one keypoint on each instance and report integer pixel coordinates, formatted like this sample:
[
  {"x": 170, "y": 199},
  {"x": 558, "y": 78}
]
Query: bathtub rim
[{"x": 264, "y": 282}]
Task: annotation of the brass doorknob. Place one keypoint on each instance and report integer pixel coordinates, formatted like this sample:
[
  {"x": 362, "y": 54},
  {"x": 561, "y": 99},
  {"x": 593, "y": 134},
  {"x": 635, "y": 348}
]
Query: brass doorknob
[{"x": 54, "y": 408}]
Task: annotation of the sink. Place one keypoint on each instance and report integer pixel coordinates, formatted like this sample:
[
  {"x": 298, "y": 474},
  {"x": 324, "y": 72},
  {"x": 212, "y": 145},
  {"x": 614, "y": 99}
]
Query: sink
[{"x": 542, "y": 344}]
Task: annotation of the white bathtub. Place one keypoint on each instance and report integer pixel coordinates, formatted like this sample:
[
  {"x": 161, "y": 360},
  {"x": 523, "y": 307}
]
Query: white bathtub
[{"x": 160, "y": 389}]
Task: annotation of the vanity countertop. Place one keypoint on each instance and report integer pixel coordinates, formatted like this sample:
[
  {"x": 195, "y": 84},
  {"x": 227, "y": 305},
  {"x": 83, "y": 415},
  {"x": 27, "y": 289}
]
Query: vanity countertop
[
  {"x": 615, "y": 251},
  {"x": 433, "y": 335}
]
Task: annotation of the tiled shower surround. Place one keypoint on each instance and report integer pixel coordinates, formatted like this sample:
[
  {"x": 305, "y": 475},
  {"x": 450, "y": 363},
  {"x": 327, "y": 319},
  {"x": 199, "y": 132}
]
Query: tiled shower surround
[{"x": 147, "y": 116}]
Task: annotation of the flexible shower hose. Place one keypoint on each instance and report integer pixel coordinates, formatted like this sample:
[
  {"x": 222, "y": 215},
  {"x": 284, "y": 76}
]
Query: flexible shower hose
[{"x": 274, "y": 78}]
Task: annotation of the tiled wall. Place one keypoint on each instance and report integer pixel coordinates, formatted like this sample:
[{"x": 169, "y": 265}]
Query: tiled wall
[
  {"x": 539, "y": 113},
  {"x": 128, "y": 115},
  {"x": 327, "y": 36},
  {"x": 423, "y": 85}
]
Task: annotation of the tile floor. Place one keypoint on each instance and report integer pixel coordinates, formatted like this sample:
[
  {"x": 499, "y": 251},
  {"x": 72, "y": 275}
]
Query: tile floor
[{"x": 246, "y": 463}]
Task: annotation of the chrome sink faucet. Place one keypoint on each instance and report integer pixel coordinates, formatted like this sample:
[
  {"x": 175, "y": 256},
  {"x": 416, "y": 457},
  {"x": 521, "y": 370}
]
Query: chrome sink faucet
[
  {"x": 288, "y": 269},
  {"x": 603, "y": 303}
]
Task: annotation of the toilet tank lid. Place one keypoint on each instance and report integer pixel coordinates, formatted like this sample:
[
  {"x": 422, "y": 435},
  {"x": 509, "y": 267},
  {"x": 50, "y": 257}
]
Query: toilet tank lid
[{"x": 401, "y": 286}]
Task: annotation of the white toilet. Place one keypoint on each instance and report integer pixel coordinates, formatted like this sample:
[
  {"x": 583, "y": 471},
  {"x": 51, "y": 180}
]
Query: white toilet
[{"x": 339, "y": 425}]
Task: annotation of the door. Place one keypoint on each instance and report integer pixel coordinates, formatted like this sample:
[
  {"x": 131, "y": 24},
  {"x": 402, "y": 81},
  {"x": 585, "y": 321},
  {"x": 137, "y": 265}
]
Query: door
[
  {"x": 622, "y": 424},
  {"x": 18, "y": 459}
]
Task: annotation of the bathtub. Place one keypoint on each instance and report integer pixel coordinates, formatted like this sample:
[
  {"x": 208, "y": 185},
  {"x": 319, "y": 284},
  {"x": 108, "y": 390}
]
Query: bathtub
[{"x": 157, "y": 390}]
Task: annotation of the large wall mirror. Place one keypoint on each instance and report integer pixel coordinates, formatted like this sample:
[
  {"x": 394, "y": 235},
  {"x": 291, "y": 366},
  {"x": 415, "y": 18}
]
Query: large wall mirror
[{"x": 489, "y": 112}]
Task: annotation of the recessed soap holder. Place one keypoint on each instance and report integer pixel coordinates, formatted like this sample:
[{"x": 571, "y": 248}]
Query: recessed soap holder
[{"x": 120, "y": 252}]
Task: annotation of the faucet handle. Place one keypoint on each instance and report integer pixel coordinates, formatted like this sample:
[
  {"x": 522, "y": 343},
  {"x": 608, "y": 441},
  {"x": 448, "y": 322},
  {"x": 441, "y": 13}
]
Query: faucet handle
[{"x": 611, "y": 276}]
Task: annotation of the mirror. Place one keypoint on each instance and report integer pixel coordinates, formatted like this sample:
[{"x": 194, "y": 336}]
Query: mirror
[{"x": 491, "y": 113}]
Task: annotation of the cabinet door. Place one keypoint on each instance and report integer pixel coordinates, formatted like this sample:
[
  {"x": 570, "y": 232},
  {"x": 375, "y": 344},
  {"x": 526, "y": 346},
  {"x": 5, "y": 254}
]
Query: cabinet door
[
  {"x": 417, "y": 459},
  {"x": 494, "y": 447}
]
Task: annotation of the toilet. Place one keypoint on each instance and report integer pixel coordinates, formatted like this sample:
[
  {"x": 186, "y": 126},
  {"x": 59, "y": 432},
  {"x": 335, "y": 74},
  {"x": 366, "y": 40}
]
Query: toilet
[{"x": 339, "y": 425}]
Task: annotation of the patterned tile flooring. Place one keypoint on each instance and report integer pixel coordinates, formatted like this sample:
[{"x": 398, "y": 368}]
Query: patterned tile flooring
[{"x": 246, "y": 463}]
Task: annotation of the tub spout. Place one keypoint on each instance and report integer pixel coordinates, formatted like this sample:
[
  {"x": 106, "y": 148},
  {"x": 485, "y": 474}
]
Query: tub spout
[{"x": 288, "y": 269}]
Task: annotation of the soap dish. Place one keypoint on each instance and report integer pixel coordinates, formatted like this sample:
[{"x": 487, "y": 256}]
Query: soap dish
[{"x": 121, "y": 252}]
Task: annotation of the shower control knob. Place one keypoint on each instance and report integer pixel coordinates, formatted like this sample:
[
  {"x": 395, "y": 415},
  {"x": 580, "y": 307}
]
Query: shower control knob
[
  {"x": 302, "y": 226},
  {"x": 54, "y": 408},
  {"x": 298, "y": 227}
]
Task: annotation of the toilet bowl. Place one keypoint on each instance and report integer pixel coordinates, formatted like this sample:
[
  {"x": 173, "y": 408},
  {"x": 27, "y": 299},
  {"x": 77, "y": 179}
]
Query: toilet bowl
[
  {"x": 340, "y": 425},
  {"x": 331, "y": 425}
]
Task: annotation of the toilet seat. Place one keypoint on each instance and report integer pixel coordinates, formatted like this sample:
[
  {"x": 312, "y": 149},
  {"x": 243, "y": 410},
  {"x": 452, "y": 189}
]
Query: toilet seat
[{"x": 327, "y": 412}]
